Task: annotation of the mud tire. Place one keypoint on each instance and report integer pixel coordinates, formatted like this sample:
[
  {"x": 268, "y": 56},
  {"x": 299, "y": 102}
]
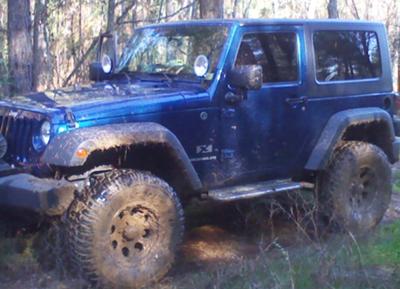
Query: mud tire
[
  {"x": 355, "y": 190},
  {"x": 98, "y": 229}
]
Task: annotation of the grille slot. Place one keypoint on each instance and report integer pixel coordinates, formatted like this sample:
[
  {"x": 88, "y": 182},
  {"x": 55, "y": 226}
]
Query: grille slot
[{"x": 17, "y": 130}]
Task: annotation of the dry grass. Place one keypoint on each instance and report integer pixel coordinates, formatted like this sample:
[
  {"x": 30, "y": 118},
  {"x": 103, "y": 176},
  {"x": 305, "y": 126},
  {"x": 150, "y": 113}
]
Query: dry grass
[{"x": 263, "y": 245}]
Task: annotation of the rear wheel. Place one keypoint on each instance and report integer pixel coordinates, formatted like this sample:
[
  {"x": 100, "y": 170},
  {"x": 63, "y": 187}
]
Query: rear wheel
[
  {"x": 124, "y": 233},
  {"x": 356, "y": 188}
]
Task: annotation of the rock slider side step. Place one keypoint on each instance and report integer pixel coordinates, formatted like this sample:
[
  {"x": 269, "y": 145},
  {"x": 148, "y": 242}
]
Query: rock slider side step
[{"x": 253, "y": 190}]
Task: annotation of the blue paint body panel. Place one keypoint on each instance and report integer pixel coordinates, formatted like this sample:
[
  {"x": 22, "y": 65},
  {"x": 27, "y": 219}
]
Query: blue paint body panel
[{"x": 265, "y": 136}]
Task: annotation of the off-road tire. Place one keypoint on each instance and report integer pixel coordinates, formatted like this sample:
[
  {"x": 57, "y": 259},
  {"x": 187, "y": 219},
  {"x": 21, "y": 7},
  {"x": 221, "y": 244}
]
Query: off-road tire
[
  {"x": 355, "y": 190},
  {"x": 124, "y": 230}
]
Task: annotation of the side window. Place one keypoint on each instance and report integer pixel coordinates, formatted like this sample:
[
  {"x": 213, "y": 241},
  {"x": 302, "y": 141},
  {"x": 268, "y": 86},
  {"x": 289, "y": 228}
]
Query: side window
[
  {"x": 275, "y": 52},
  {"x": 346, "y": 55}
]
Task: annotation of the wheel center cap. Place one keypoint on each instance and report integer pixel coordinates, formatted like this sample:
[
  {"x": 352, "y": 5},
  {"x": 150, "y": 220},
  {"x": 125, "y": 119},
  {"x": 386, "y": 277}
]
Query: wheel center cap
[{"x": 131, "y": 233}]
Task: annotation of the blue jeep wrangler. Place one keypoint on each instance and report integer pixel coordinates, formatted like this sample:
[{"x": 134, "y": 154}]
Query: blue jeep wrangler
[{"x": 224, "y": 110}]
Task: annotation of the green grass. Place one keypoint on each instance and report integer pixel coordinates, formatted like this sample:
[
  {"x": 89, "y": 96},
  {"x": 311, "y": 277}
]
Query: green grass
[
  {"x": 396, "y": 182},
  {"x": 384, "y": 248},
  {"x": 343, "y": 262}
]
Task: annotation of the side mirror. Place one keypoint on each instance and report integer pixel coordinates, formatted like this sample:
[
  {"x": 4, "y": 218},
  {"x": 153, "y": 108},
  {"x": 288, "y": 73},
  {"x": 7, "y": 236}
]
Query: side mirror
[
  {"x": 249, "y": 77},
  {"x": 106, "y": 58}
]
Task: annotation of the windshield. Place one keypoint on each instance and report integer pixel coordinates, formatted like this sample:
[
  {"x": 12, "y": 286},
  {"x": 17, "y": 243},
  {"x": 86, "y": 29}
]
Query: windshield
[{"x": 173, "y": 50}]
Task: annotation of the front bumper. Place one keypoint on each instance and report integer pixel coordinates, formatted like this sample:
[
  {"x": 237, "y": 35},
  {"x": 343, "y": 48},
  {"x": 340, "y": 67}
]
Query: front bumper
[{"x": 44, "y": 196}]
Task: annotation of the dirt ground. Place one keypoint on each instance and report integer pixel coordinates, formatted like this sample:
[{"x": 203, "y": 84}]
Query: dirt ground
[{"x": 209, "y": 243}]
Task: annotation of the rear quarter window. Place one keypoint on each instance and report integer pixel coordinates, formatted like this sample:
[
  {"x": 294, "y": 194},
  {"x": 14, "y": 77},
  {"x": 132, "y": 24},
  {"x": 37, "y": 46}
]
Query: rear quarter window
[{"x": 346, "y": 55}]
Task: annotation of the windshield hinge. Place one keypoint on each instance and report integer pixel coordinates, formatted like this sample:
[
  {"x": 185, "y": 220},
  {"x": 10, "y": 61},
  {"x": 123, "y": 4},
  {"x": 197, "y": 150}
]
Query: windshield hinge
[{"x": 70, "y": 119}]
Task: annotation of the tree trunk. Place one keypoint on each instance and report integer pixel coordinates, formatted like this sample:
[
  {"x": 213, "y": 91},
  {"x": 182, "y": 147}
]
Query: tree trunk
[
  {"x": 235, "y": 8},
  {"x": 111, "y": 16},
  {"x": 48, "y": 56},
  {"x": 39, "y": 11},
  {"x": 398, "y": 70},
  {"x": 211, "y": 9},
  {"x": 397, "y": 40},
  {"x": 160, "y": 10},
  {"x": 333, "y": 9},
  {"x": 19, "y": 46},
  {"x": 3, "y": 76}
]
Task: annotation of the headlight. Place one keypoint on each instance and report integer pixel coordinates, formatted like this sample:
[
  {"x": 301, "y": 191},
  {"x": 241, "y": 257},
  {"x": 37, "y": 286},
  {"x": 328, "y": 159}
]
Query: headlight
[
  {"x": 45, "y": 132},
  {"x": 41, "y": 136}
]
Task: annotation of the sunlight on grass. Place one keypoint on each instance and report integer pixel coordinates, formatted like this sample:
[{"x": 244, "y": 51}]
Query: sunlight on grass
[
  {"x": 396, "y": 181},
  {"x": 342, "y": 262},
  {"x": 384, "y": 249}
]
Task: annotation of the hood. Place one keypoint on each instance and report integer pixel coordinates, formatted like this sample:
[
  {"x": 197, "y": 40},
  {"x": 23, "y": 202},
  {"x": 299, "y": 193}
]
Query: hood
[
  {"x": 96, "y": 93},
  {"x": 101, "y": 99}
]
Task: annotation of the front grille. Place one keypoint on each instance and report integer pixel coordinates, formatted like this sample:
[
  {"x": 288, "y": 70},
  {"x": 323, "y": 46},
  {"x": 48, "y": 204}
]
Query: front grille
[{"x": 18, "y": 131}]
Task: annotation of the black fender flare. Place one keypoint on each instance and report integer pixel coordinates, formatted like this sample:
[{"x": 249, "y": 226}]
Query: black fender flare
[
  {"x": 336, "y": 127},
  {"x": 64, "y": 149}
]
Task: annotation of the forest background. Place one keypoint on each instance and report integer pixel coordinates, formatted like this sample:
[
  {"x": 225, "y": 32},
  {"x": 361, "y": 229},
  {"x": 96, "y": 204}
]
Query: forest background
[{"x": 47, "y": 44}]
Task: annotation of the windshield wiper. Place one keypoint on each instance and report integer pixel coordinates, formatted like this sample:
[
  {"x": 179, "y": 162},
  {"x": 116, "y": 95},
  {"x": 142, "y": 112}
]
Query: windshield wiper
[
  {"x": 167, "y": 77},
  {"x": 128, "y": 75}
]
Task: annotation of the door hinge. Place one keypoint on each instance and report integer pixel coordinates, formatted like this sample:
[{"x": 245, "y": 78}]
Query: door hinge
[
  {"x": 228, "y": 112},
  {"x": 227, "y": 154}
]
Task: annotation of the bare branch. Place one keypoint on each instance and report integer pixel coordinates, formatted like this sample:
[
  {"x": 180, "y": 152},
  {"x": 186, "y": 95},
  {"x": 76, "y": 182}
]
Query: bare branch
[
  {"x": 81, "y": 61},
  {"x": 333, "y": 9},
  {"x": 356, "y": 14},
  {"x": 125, "y": 12},
  {"x": 159, "y": 18},
  {"x": 92, "y": 46},
  {"x": 120, "y": 3},
  {"x": 160, "y": 11},
  {"x": 246, "y": 10}
]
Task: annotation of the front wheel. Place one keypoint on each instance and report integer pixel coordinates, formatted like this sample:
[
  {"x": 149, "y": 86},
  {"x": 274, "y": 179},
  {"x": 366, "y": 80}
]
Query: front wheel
[
  {"x": 126, "y": 230},
  {"x": 356, "y": 188}
]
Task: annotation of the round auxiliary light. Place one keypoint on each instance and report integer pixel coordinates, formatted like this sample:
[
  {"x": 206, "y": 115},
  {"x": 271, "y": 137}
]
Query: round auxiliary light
[
  {"x": 45, "y": 132},
  {"x": 201, "y": 65},
  {"x": 106, "y": 63}
]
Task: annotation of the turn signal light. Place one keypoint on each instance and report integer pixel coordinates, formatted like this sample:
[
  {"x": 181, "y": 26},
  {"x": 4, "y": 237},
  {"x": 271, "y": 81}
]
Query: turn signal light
[{"x": 82, "y": 153}]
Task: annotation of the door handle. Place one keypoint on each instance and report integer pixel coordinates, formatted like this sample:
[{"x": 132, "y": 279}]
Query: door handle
[
  {"x": 297, "y": 100},
  {"x": 233, "y": 98}
]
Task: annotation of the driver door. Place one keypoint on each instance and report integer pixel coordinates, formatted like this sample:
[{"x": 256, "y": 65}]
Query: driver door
[{"x": 263, "y": 134}]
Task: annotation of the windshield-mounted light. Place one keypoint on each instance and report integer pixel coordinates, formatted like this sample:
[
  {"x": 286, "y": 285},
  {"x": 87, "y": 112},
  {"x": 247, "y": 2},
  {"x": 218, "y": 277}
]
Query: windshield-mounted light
[
  {"x": 175, "y": 51},
  {"x": 201, "y": 65},
  {"x": 106, "y": 64}
]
